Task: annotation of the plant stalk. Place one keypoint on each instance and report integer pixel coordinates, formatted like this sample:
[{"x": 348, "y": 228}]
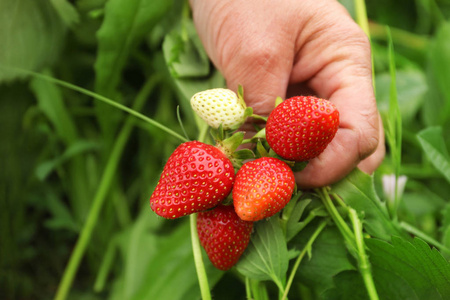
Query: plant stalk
[
  {"x": 413, "y": 230},
  {"x": 99, "y": 199},
  {"x": 105, "y": 100},
  {"x": 300, "y": 257},
  {"x": 363, "y": 262},
  {"x": 199, "y": 266},
  {"x": 334, "y": 214},
  {"x": 196, "y": 247}
]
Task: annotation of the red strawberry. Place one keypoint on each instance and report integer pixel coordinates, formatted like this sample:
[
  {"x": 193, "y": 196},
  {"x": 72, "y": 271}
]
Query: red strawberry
[
  {"x": 196, "y": 177},
  {"x": 223, "y": 235},
  {"x": 301, "y": 127},
  {"x": 262, "y": 188}
]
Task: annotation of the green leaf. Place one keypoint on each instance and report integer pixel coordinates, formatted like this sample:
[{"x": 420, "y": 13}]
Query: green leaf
[
  {"x": 155, "y": 264},
  {"x": 357, "y": 190},
  {"x": 244, "y": 154},
  {"x": 185, "y": 56},
  {"x": 433, "y": 145},
  {"x": 425, "y": 270},
  {"x": 278, "y": 101},
  {"x": 261, "y": 134},
  {"x": 188, "y": 86},
  {"x": 31, "y": 36},
  {"x": 234, "y": 141},
  {"x": 50, "y": 101},
  {"x": 299, "y": 166},
  {"x": 329, "y": 257},
  {"x": 393, "y": 122},
  {"x": 411, "y": 88},
  {"x": 62, "y": 217},
  {"x": 125, "y": 24},
  {"x": 266, "y": 255},
  {"x": 445, "y": 229},
  {"x": 401, "y": 270},
  {"x": 437, "y": 110},
  {"x": 77, "y": 148},
  {"x": 248, "y": 112},
  {"x": 66, "y": 11},
  {"x": 347, "y": 285},
  {"x": 293, "y": 224},
  {"x": 261, "y": 151}
]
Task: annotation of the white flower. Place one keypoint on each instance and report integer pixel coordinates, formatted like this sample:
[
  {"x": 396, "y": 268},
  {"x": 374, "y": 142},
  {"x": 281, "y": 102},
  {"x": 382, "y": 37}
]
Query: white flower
[{"x": 389, "y": 181}]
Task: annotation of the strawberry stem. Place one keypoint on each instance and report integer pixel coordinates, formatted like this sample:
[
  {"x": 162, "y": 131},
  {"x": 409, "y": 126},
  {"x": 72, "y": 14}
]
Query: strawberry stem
[
  {"x": 196, "y": 247},
  {"x": 363, "y": 261},
  {"x": 258, "y": 117},
  {"x": 103, "y": 99},
  {"x": 100, "y": 196},
  {"x": 248, "y": 291},
  {"x": 337, "y": 218},
  {"x": 199, "y": 266},
  {"x": 305, "y": 250}
]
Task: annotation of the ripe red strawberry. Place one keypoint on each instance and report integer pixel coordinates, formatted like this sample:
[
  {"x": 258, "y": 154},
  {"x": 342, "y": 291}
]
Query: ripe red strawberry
[
  {"x": 196, "y": 177},
  {"x": 301, "y": 127},
  {"x": 223, "y": 235},
  {"x": 262, "y": 188}
]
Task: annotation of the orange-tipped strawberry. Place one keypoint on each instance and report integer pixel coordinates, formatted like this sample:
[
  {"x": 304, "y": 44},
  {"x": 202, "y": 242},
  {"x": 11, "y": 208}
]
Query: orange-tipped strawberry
[
  {"x": 262, "y": 188},
  {"x": 223, "y": 235},
  {"x": 300, "y": 128},
  {"x": 196, "y": 177}
]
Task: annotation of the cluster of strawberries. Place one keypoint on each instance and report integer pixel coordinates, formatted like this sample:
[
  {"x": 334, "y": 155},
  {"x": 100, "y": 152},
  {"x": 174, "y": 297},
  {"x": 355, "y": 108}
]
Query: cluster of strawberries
[{"x": 199, "y": 177}]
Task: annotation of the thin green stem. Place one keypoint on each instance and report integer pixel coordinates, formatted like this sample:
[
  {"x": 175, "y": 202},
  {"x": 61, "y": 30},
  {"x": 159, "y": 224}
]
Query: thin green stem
[
  {"x": 363, "y": 22},
  {"x": 259, "y": 290},
  {"x": 400, "y": 37},
  {"x": 361, "y": 16},
  {"x": 258, "y": 117},
  {"x": 278, "y": 284},
  {"x": 413, "y": 230},
  {"x": 338, "y": 220},
  {"x": 121, "y": 207},
  {"x": 199, "y": 266},
  {"x": 248, "y": 291},
  {"x": 364, "y": 265},
  {"x": 309, "y": 218},
  {"x": 203, "y": 134},
  {"x": 196, "y": 247},
  {"x": 394, "y": 126},
  {"x": 106, "y": 100},
  {"x": 181, "y": 123},
  {"x": 340, "y": 201},
  {"x": 107, "y": 263},
  {"x": 300, "y": 257},
  {"x": 99, "y": 199}
]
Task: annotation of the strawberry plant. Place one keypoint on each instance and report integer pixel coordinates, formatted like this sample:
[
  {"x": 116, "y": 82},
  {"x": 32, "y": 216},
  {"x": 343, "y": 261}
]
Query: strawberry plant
[{"x": 128, "y": 170}]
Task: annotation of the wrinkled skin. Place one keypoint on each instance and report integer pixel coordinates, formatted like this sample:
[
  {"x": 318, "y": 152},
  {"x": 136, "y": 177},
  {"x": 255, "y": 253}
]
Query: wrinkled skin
[{"x": 287, "y": 48}]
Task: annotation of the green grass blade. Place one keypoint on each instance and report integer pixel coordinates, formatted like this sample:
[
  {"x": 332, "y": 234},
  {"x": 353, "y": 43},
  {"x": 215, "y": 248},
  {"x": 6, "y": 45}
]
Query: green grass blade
[
  {"x": 363, "y": 22},
  {"x": 361, "y": 16},
  {"x": 394, "y": 125},
  {"x": 99, "y": 199},
  {"x": 105, "y": 100}
]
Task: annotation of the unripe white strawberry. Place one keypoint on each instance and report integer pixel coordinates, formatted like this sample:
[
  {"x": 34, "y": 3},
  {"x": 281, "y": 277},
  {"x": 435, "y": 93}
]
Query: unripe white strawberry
[{"x": 219, "y": 106}]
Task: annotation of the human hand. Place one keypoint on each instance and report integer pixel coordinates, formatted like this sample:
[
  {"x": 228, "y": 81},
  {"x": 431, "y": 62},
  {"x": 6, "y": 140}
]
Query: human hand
[{"x": 287, "y": 48}]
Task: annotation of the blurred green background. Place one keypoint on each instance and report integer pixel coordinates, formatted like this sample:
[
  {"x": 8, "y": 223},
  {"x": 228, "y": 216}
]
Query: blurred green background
[{"x": 67, "y": 159}]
